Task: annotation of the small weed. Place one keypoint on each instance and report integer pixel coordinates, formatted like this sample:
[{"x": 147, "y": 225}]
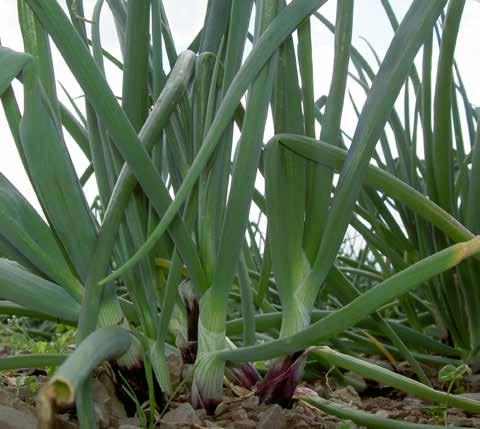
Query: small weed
[
  {"x": 20, "y": 335},
  {"x": 452, "y": 375}
]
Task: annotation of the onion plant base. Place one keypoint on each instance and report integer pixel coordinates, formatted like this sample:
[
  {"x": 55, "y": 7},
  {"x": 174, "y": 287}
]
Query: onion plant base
[
  {"x": 188, "y": 347},
  {"x": 134, "y": 379},
  {"x": 281, "y": 380},
  {"x": 207, "y": 386},
  {"x": 244, "y": 375}
]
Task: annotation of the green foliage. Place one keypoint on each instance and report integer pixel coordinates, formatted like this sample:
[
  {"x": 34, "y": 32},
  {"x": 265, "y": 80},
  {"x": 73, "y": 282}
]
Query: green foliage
[
  {"x": 453, "y": 374},
  {"x": 22, "y": 335},
  {"x": 140, "y": 412},
  {"x": 349, "y": 235}
]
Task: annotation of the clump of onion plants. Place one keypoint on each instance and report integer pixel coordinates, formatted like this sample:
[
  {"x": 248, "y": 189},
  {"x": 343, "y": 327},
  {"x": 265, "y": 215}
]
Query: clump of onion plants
[{"x": 170, "y": 257}]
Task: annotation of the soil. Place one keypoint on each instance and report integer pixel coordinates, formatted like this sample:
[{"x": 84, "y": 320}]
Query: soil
[{"x": 239, "y": 410}]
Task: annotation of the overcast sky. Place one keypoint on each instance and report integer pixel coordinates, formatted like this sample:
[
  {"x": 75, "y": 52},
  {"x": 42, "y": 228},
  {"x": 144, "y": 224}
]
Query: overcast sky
[{"x": 186, "y": 18}]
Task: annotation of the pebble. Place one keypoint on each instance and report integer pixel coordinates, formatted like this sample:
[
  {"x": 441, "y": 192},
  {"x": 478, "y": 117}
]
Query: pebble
[
  {"x": 210, "y": 424},
  {"x": 244, "y": 424},
  {"x": 10, "y": 399},
  {"x": 301, "y": 424},
  {"x": 182, "y": 415},
  {"x": 62, "y": 422},
  {"x": 348, "y": 395},
  {"x": 463, "y": 421},
  {"x": 201, "y": 413},
  {"x": 108, "y": 408},
  {"x": 175, "y": 367},
  {"x": 222, "y": 408},
  {"x": 250, "y": 403},
  {"x": 129, "y": 423},
  {"x": 382, "y": 413},
  {"x": 10, "y": 418},
  {"x": 411, "y": 402},
  {"x": 272, "y": 417},
  {"x": 187, "y": 370}
]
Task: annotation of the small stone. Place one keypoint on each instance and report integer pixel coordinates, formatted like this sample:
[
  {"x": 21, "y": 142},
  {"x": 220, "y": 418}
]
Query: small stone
[
  {"x": 455, "y": 412},
  {"x": 175, "y": 367},
  {"x": 239, "y": 414},
  {"x": 320, "y": 388},
  {"x": 348, "y": 395},
  {"x": 222, "y": 407},
  {"x": 250, "y": 403},
  {"x": 101, "y": 415},
  {"x": 410, "y": 402},
  {"x": 210, "y": 424},
  {"x": 411, "y": 418},
  {"x": 108, "y": 409},
  {"x": 201, "y": 413},
  {"x": 305, "y": 391},
  {"x": 244, "y": 424},
  {"x": 129, "y": 423},
  {"x": 182, "y": 415},
  {"x": 461, "y": 421},
  {"x": 382, "y": 413},
  {"x": 62, "y": 422},
  {"x": 10, "y": 418},
  {"x": 187, "y": 370},
  {"x": 9, "y": 399},
  {"x": 26, "y": 394},
  {"x": 116, "y": 407},
  {"x": 272, "y": 417}
]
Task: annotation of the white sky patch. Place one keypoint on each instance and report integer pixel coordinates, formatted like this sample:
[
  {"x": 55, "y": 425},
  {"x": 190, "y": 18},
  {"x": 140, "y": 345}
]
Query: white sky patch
[{"x": 186, "y": 18}]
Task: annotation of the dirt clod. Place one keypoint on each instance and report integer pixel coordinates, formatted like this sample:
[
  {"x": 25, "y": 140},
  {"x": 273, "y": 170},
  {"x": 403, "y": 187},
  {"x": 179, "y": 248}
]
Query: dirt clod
[
  {"x": 10, "y": 418},
  {"x": 272, "y": 417},
  {"x": 108, "y": 409},
  {"x": 183, "y": 415},
  {"x": 348, "y": 395}
]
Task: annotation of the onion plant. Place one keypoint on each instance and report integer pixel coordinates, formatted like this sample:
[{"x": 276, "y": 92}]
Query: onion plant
[{"x": 170, "y": 258}]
